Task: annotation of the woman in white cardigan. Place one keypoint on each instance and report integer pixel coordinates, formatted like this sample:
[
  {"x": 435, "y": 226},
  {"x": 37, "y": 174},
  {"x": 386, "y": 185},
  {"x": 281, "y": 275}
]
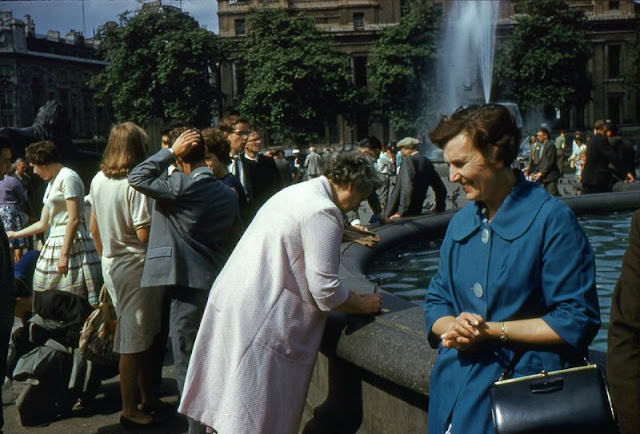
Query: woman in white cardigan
[{"x": 259, "y": 337}]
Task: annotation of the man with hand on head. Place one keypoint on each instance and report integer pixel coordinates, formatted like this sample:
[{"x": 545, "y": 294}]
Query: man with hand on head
[{"x": 192, "y": 217}]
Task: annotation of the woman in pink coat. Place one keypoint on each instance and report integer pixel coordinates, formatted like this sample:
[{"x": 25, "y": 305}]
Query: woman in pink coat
[{"x": 259, "y": 337}]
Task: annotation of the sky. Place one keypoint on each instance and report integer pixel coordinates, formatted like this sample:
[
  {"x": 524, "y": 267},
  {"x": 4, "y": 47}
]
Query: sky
[{"x": 64, "y": 15}]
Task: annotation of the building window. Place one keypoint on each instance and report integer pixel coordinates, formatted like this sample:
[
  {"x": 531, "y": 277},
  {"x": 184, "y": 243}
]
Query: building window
[
  {"x": 358, "y": 21},
  {"x": 360, "y": 71},
  {"x": 614, "y": 108},
  {"x": 6, "y": 100},
  {"x": 614, "y": 4},
  {"x": 237, "y": 69},
  {"x": 404, "y": 7},
  {"x": 613, "y": 61},
  {"x": 240, "y": 27}
]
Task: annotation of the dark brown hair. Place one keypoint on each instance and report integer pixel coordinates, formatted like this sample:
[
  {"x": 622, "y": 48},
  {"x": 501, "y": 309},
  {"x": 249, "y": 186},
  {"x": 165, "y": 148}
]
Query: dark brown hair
[
  {"x": 229, "y": 122},
  {"x": 126, "y": 147},
  {"x": 487, "y": 125},
  {"x": 196, "y": 154},
  {"x": 42, "y": 153},
  {"x": 217, "y": 144}
]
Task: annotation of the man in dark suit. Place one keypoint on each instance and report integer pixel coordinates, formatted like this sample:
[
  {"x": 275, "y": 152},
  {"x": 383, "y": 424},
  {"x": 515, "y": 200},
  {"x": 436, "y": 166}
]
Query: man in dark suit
[
  {"x": 596, "y": 174},
  {"x": 262, "y": 173},
  {"x": 623, "y": 349},
  {"x": 416, "y": 175},
  {"x": 192, "y": 215},
  {"x": 547, "y": 167}
]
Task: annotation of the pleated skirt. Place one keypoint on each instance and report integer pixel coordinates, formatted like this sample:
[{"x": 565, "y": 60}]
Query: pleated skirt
[{"x": 84, "y": 277}]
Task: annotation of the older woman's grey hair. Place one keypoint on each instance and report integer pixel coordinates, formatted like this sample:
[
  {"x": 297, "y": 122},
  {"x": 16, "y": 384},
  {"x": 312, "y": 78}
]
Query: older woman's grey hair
[
  {"x": 353, "y": 168},
  {"x": 486, "y": 125}
]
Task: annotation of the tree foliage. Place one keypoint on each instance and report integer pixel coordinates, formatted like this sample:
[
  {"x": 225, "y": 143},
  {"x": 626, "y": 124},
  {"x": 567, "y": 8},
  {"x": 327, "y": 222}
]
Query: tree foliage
[
  {"x": 400, "y": 66},
  {"x": 160, "y": 62},
  {"x": 545, "y": 61},
  {"x": 295, "y": 82}
]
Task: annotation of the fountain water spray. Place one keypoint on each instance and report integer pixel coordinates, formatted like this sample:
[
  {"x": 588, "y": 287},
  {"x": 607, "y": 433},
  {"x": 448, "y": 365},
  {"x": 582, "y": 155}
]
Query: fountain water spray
[{"x": 465, "y": 53}]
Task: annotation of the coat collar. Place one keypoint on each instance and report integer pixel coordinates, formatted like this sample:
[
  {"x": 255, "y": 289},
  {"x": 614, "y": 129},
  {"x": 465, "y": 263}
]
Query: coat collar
[
  {"x": 201, "y": 171},
  {"x": 517, "y": 212}
]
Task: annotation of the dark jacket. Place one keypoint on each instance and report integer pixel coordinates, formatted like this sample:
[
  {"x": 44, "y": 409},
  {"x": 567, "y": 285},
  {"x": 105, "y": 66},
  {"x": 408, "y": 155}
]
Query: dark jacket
[
  {"x": 623, "y": 352},
  {"x": 596, "y": 173},
  {"x": 264, "y": 178},
  {"x": 547, "y": 165},
  {"x": 416, "y": 175},
  {"x": 191, "y": 219},
  {"x": 626, "y": 155}
]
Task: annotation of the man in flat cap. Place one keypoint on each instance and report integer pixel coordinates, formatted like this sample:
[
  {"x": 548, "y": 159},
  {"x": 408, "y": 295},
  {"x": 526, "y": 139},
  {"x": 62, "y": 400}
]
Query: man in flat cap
[{"x": 416, "y": 175}]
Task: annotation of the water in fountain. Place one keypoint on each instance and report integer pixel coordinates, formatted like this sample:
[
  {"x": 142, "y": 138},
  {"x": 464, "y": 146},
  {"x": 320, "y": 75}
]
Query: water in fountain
[
  {"x": 465, "y": 54},
  {"x": 419, "y": 261}
]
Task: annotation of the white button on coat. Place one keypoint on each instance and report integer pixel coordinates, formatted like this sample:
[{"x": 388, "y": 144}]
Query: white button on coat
[{"x": 477, "y": 290}]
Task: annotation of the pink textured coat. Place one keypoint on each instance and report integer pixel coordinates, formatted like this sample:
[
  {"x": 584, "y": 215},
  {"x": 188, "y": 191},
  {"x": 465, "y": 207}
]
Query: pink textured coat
[{"x": 259, "y": 337}]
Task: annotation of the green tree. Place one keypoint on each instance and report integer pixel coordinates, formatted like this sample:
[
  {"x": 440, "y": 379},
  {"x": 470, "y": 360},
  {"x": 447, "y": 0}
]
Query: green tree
[
  {"x": 545, "y": 61},
  {"x": 295, "y": 82},
  {"x": 160, "y": 62},
  {"x": 400, "y": 66}
]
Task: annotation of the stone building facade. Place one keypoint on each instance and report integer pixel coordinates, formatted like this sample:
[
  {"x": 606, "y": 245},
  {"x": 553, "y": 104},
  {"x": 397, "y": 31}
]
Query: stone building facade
[
  {"x": 36, "y": 68},
  {"x": 356, "y": 24},
  {"x": 613, "y": 27}
]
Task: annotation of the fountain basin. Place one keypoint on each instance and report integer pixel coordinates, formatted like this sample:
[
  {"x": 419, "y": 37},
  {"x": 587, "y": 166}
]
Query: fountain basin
[{"x": 374, "y": 377}]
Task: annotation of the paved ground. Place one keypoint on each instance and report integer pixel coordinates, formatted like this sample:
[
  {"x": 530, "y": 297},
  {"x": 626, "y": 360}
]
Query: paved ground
[{"x": 103, "y": 417}]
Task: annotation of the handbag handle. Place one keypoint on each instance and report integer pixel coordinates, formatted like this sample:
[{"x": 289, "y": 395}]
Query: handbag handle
[{"x": 508, "y": 372}]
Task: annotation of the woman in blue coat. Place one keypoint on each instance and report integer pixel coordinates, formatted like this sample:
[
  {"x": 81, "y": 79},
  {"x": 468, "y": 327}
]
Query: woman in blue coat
[{"x": 516, "y": 272}]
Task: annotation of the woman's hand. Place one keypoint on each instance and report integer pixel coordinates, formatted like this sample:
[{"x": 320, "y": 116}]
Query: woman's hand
[
  {"x": 63, "y": 264},
  {"x": 464, "y": 331},
  {"x": 360, "y": 304},
  {"x": 370, "y": 303}
]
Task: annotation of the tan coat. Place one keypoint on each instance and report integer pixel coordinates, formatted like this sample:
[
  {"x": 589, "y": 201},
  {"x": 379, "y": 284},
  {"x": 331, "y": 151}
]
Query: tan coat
[{"x": 259, "y": 337}]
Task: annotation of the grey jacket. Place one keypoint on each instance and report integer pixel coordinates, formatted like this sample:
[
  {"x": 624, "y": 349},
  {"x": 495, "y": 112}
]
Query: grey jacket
[{"x": 192, "y": 217}]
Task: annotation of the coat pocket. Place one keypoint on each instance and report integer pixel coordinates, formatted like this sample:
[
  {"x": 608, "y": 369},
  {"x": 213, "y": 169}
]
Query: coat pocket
[{"x": 159, "y": 252}]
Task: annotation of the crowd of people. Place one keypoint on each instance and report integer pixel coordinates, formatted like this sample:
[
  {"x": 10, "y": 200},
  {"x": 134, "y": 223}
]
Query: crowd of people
[
  {"x": 602, "y": 161},
  {"x": 217, "y": 244}
]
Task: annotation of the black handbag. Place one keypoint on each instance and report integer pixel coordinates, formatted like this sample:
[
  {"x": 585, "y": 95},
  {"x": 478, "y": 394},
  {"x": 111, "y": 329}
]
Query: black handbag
[{"x": 574, "y": 400}]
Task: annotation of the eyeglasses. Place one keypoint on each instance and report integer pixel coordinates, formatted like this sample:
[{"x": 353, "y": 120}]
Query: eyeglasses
[{"x": 243, "y": 133}]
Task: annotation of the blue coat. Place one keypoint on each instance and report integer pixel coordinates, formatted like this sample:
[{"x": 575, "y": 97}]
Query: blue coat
[{"x": 532, "y": 260}]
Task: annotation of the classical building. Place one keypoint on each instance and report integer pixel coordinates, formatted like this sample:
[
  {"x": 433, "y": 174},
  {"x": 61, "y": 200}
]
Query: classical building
[
  {"x": 613, "y": 27},
  {"x": 36, "y": 68},
  {"x": 356, "y": 24}
]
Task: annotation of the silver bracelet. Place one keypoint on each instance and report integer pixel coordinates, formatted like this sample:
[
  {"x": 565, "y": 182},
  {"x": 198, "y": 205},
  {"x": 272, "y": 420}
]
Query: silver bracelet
[{"x": 503, "y": 334}]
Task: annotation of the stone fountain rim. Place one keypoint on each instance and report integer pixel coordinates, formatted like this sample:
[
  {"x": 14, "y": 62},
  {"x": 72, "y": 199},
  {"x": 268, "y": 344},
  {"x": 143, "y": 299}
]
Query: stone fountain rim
[{"x": 389, "y": 346}]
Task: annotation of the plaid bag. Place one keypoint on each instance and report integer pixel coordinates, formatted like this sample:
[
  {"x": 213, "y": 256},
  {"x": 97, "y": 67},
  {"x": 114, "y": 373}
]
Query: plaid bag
[{"x": 96, "y": 337}]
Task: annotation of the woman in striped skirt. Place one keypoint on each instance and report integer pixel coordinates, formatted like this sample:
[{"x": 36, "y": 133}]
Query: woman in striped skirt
[{"x": 69, "y": 260}]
